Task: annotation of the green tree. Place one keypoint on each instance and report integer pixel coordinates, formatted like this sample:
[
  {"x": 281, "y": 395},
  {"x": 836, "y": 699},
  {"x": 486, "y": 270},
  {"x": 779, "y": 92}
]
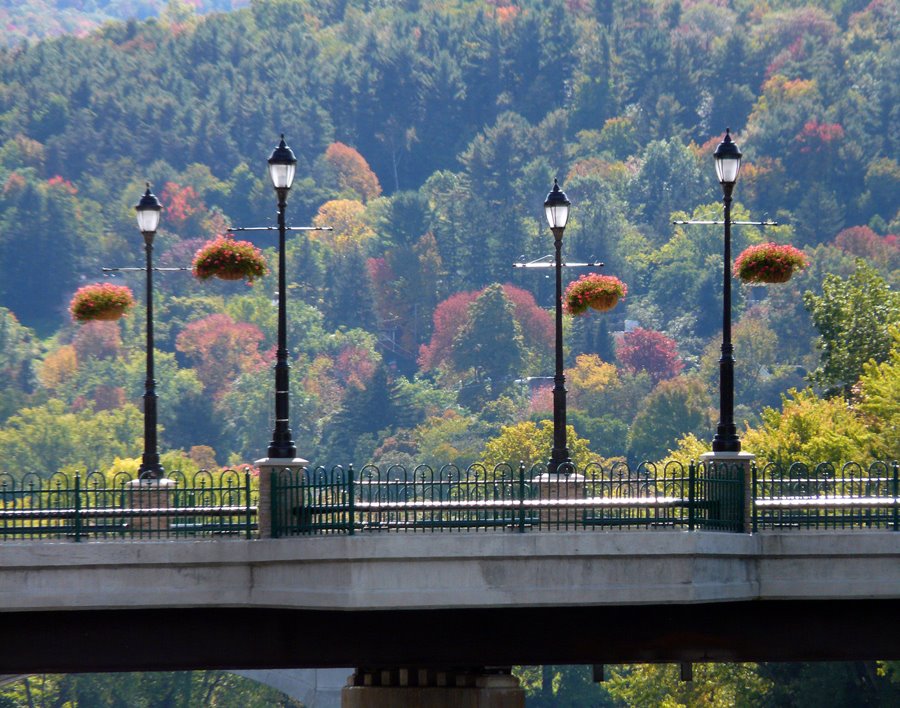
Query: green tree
[
  {"x": 879, "y": 389},
  {"x": 48, "y": 438},
  {"x": 811, "y": 430},
  {"x": 713, "y": 685},
  {"x": 675, "y": 407},
  {"x": 853, "y": 317},
  {"x": 490, "y": 342}
]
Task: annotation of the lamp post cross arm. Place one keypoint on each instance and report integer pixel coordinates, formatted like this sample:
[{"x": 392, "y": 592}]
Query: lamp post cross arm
[
  {"x": 543, "y": 262},
  {"x": 695, "y": 222},
  {"x": 236, "y": 229}
]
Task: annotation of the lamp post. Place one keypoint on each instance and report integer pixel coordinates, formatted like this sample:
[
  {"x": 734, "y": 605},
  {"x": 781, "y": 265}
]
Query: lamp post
[
  {"x": 282, "y": 165},
  {"x": 148, "y": 212},
  {"x": 556, "y": 207},
  {"x": 728, "y": 166}
]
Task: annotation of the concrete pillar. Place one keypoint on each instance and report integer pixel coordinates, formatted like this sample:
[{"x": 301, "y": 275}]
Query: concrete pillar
[
  {"x": 433, "y": 688},
  {"x": 150, "y": 494},
  {"x": 742, "y": 459},
  {"x": 557, "y": 486},
  {"x": 266, "y": 466}
]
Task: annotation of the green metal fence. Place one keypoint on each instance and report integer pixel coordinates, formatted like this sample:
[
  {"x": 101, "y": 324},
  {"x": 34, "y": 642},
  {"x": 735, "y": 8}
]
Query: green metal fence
[
  {"x": 826, "y": 496},
  {"x": 506, "y": 498},
  {"x": 92, "y": 506}
]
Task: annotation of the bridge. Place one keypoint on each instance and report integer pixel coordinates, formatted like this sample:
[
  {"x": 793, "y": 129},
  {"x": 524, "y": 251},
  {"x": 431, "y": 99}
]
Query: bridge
[
  {"x": 451, "y": 599},
  {"x": 458, "y": 571}
]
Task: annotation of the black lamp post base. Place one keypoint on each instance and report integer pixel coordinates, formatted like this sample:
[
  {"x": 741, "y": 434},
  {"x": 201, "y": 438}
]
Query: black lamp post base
[
  {"x": 726, "y": 444},
  {"x": 151, "y": 472}
]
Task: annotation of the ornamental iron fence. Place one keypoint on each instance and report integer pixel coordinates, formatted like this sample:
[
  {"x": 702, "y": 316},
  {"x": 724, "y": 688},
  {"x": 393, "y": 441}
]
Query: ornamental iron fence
[
  {"x": 94, "y": 506},
  {"x": 507, "y": 498},
  {"x": 504, "y": 498},
  {"x": 826, "y": 496}
]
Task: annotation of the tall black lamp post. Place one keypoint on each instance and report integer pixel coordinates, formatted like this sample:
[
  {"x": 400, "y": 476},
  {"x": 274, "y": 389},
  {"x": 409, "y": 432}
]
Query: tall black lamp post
[
  {"x": 148, "y": 212},
  {"x": 282, "y": 165},
  {"x": 728, "y": 166},
  {"x": 556, "y": 207}
]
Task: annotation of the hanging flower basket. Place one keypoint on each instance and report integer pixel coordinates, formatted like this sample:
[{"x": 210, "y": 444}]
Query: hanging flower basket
[
  {"x": 598, "y": 292},
  {"x": 225, "y": 258},
  {"x": 101, "y": 301},
  {"x": 769, "y": 263}
]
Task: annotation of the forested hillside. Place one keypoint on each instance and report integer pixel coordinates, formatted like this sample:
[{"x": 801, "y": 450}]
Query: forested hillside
[
  {"x": 24, "y": 20},
  {"x": 428, "y": 134}
]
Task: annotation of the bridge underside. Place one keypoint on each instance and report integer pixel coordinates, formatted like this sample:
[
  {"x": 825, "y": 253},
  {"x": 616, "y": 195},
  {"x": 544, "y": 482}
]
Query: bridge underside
[{"x": 251, "y": 638}]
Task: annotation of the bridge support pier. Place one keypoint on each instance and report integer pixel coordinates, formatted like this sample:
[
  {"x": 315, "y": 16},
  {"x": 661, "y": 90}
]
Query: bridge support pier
[
  {"x": 267, "y": 466},
  {"x": 433, "y": 688}
]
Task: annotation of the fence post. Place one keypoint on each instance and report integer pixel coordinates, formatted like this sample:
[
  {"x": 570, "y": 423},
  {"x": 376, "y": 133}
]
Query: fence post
[
  {"x": 248, "y": 514},
  {"x": 77, "y": 506},
  {"x": 521, "y": 497},
  {"x": 351, "y": 500},
  {"x": 274, "y": 525},
  {"x": 754, "y": 478},
  {"x": 896, "y": 467},
  {"x": 692, "y": 500}
]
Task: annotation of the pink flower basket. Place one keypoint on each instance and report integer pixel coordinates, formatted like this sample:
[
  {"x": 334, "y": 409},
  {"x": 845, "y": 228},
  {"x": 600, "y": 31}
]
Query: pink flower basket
[
  {"x": 101, "y": 301},
  {"x": 593, "y": 291},
  {"x": 227, "y": 259},
  {"x": 769, "y": 263}
]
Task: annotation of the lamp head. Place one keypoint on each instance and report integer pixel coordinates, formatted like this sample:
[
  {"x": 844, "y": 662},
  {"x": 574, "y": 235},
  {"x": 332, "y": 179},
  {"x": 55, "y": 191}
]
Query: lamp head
[
  {"x": 556, "y": 207},
  {"x": 148, "y": 212},
  {"x": 282, "y": 165},
  {"x": 728, "y": 160}
]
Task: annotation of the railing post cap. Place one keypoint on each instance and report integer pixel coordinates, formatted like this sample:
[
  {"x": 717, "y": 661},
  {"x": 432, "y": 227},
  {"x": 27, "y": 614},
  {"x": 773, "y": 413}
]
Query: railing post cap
[
  {"x": 281, "y": 462},
  {"x": 727, "y": 457},
  {"x": 152, "y": 483}
]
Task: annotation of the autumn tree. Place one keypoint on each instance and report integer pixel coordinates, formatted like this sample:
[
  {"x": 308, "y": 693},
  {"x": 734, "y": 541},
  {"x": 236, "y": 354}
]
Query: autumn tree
[
  {"x": 589, "y": 380},
  {"x": 221, "y": 350},
  {"x": 451, "y": 315},
  {"x": 490, "y": 341},
  {"x": 351, "y": 171},
  {"x": 650, "y": 351},
  {"x": 531, "y": 443},
  {"x": 347, "y": 218}
]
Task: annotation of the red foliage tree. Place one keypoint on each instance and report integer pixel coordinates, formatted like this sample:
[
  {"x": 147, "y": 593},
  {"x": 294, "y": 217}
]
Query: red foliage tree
[
  {"x": 863, "y": 242},
  {"x": 650, "y": 351},
  {"x": 221, "y": 350},
  {"x": 818, "y": 137},
  {"x": 354, "y": 366},
  {"x": 181, "y": 203},
  {"x": 100, "y": 340},
  {"x": 451, "y": 314},
  {"x": 449, "y": 317}
]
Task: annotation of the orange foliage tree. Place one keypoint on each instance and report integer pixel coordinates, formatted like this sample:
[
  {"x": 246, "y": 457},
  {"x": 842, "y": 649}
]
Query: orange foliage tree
[
  {"x": 221, "y": 350},
  {"x": 351, "y": 171}
]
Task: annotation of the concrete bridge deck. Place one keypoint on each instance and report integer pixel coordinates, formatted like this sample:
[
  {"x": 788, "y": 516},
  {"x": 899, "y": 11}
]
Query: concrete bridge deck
[{"x": 449, "y": 599}]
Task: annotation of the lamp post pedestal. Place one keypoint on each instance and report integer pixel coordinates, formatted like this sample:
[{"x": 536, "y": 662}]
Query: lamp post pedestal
[
  {"x": 731, "y": 463},
  {"x": 267, "y": 466},
  {"x": 560, "y": 485},
  {"x": 155, "y": 495}
]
